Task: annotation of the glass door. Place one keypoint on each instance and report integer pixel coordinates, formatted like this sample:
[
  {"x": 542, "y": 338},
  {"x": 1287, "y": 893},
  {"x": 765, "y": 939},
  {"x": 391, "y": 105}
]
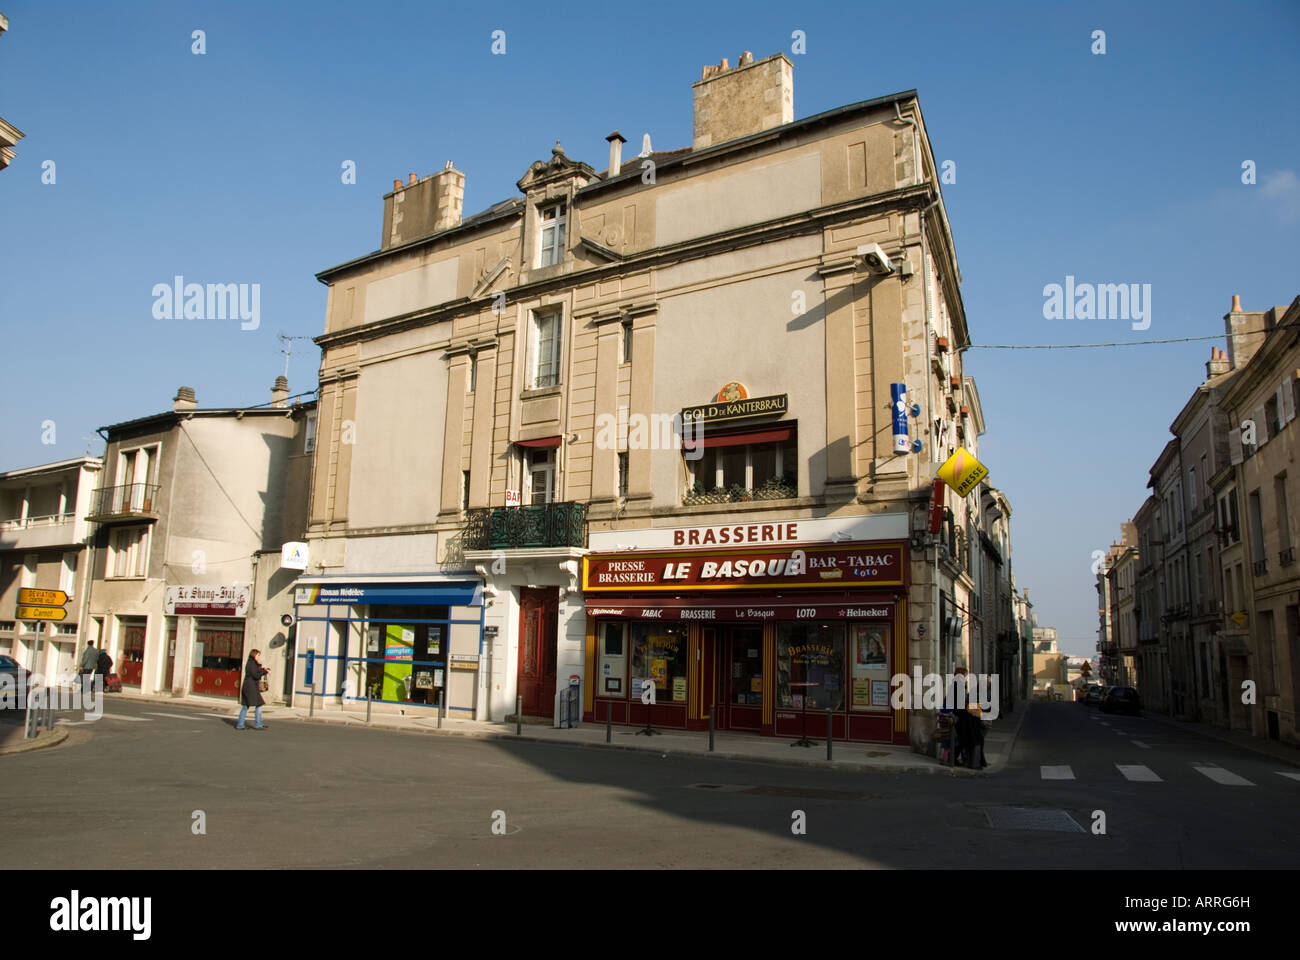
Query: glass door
[{"x": 744, "y": 673}]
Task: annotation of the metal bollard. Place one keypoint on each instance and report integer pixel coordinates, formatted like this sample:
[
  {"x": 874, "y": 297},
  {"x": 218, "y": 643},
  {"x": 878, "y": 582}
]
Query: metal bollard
[
  {"x": 711, "y": 711},
  {"x": 439, "y": 709},
  {"x": 609, "y": 720},
  {"x": 830, "y": 732},
  {"x": 519, "y": 715},
  {"x": 369, "y": 700},
  {"x": 311, "y": 702}
]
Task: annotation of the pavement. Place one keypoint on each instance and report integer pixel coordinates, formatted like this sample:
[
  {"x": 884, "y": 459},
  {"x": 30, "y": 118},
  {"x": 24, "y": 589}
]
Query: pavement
[
  {"x": 13, "y": 741},
  {"x": 728, "y": 745},
  {"x": 1282, "y": 752}
]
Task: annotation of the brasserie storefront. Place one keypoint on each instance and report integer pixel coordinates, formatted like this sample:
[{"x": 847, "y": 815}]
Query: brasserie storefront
[{"x": 767, "y": 636}]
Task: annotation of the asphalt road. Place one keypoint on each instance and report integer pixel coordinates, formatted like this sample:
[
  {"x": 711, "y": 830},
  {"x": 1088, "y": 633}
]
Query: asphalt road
[{"x": 125, "y": 790}]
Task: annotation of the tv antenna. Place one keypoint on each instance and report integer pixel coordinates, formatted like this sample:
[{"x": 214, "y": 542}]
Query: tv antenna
[{"x": 287, "y": 349}]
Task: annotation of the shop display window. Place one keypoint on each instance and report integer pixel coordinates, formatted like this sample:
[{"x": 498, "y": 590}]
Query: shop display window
[
  {"x": 869, "y": 666},
  {"x": 810, "y": 666},
  {"x": 405, "y": 660},
  {"x": 659, "y": 654}
]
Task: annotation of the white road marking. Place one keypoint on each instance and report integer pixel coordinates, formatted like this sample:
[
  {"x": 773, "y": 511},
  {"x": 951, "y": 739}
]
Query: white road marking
[
  {"x": 177, "y": 716},
  {"x": 121, "y": 716},
  {"x": 1139, "y": 743},
  {"x": 1225, "y": 777},
  {"x": 1284, "y": 773},
  {"x": 1062, "y": 772},
  {"x": 1137, "y": 772}
]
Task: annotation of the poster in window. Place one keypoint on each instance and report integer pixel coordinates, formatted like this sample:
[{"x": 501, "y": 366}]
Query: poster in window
[
  {"x": 871, "y": 646},
  {"x": 659, "y": 672},
  {"x": 679, "y": 688},
  {"x": 879, "y": 693},
  {"x": 861, "y": 692},
  {"x": 614, "y": 685},
  {"x": 435, "y": 640}
]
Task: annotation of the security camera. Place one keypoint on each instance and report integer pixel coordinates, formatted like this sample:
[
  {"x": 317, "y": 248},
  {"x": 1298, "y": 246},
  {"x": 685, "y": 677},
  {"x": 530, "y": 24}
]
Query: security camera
[{"x": 875, "y": 259}]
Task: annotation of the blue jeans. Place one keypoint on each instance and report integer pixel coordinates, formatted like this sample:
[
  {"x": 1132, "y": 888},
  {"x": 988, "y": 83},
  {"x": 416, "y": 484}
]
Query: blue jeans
[{"x": 243, "y": 712}]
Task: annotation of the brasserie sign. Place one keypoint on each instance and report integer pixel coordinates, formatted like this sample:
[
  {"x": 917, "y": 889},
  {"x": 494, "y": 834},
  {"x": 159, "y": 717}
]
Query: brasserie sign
[
  {"x": 721, "y": 411},
  {"x": 842, "y": 565}
]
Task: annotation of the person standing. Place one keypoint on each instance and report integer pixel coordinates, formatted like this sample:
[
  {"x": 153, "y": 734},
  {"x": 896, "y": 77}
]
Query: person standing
[
  {"x": 250, "y": 694},
  {"x": 87, "y": 664}
]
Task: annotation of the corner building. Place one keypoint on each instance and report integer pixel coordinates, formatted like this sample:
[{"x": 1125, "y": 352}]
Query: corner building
[{"x": 651, "y": 410}]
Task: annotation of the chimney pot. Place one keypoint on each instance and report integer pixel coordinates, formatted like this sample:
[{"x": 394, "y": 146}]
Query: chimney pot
[
  {"x": 1236, "y": 303},
  {"x": 412, "y": 179},
  {"x": 616, "y": 141},
  {"x": 397, "y": 185},
  {"x": 185, "y": 399},
  {"x": 280, "y": 392}
]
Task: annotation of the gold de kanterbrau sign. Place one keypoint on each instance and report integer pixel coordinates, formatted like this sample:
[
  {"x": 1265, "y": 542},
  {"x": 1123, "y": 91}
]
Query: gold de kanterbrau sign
[{"x": 721, "y": 411}]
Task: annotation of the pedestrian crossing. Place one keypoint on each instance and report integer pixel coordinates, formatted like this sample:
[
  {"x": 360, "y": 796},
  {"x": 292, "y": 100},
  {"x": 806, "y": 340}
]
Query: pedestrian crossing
[{"x": 1141, "y": 773}]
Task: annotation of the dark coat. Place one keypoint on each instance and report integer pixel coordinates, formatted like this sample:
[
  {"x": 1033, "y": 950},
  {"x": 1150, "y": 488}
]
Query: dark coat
[
  {"x": 249, "y": 695},
  {"x": 105, "y": 663}
]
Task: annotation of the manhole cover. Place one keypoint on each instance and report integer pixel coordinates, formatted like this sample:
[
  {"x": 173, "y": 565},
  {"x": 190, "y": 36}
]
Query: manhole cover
[
  {"x": 877, "y": 753},
  {"x": 1026, "y": 818}
]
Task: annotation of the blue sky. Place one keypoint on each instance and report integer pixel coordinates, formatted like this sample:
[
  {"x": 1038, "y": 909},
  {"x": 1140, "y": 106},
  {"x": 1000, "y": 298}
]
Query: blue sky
[{"x": 1116, "y": 168}]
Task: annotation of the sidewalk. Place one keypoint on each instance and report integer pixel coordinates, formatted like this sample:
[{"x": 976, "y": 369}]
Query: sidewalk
[
  {"x": 11, "y": 734},
  {"x": 1282, "y": 752},
  {"x": 727, "y": 744}
]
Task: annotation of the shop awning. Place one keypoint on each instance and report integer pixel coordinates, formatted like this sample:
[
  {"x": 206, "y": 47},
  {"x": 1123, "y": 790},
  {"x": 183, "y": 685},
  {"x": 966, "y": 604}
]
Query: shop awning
[
  {"x": 858, "y": 606},
  {"x": 738, "y": 438},
  {"x": 540, "y": 442}
]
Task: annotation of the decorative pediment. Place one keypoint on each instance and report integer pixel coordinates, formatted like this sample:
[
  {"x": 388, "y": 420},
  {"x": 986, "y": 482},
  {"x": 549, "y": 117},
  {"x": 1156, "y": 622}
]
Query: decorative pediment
[{"x": 542, "y": 174}]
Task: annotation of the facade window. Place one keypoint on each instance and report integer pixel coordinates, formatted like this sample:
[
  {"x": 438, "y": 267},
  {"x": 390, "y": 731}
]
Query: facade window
[
  {"x": 464, "y": 489},
  {"x": 622, "y": 474},
  {"x": 1205, "y": 481},
  {"x": 810, "y": 666},
  {"x": 551, "y": 248},
  {"x": 539, "y": 476},
  {"x": 1271, "y": 416},
  {"x": 309, "y": 432},
  {"x": 473, "y": 374},
  {"x": 753, "y": 471},
  {"x": 68, "y": 574},
  {"x": 546, "y": 339},
  {"x": 626, "y": 342},
  {"x": 1256, "y": 528},
  {"x": 1283, "y": 513},
  {"x": 1192, "y": 489},
  {"x": 129, "y": 552}
]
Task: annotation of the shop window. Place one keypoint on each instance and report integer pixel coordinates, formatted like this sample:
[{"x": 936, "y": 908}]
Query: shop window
[
  {"x": 869, "y": 688},
  {"x": 405, "y": 653},
  {"x": 810, "y": 666},
  {"x": 612, "y": 638},
  {"x": 760, "y": 471},
  {"x": 659, "y": 654}
]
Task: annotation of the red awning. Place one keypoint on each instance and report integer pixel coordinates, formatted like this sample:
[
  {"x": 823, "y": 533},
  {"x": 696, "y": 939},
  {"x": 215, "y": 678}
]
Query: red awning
[
  {"x": 540, "y": 442},
  {"x": 739, "y": 438}
]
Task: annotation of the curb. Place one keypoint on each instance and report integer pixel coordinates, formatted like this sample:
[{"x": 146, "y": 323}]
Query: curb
[
  {"x": 55, "y": 738},
  {"x": 1213, "y": 735}
]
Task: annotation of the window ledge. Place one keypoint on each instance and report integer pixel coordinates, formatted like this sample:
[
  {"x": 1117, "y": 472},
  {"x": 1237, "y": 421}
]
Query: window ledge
[{"x": 541, "y": 392}]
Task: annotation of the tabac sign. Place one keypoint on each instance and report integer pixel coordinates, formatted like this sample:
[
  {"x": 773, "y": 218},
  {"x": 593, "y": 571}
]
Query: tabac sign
[
  {"x": 836, "y": 566},
  {"x": 733, "y": 402}
]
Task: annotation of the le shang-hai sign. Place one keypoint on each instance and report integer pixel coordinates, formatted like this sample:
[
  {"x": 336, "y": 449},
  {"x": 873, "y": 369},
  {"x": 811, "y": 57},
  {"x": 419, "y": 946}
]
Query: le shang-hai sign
[{"x": 841, "y": 566}]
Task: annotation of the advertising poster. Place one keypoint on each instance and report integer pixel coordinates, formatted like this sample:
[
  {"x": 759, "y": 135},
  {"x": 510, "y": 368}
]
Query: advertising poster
[
  {"x": 861, "y": 692},
  {"x": 659, "y": 672},
  {"x": 679, "y": 688},
  {"x": 870, "y": 665},
  {"x": 880, "y": 693},
  {"x": 399, "y": 650}
]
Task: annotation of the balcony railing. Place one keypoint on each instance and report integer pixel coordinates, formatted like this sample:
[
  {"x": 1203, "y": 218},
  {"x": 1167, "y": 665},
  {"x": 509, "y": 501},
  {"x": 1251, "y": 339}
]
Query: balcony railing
[
  {"x": 127, "y": 500},
  {"x": 1261, "y": 567},
  {"x": 513, "y": 528},
  {"x": 28, "y": 523},
  {"x": 1286, "y": 557}
]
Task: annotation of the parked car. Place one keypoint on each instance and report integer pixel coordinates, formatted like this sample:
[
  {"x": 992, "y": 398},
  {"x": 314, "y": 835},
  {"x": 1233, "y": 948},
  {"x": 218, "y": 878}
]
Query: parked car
[
  {"x": 1092, "y": 696},
  {"x": 20, "y": 675},
  {"x": 1121, "y": 700}
]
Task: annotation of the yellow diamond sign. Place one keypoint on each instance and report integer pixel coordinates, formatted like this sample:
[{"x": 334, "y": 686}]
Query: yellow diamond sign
[{"x": 962, "y": 472}]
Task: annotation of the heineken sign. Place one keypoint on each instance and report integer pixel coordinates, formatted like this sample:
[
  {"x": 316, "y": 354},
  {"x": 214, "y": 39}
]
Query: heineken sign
[{"x": 721, "y": 411}]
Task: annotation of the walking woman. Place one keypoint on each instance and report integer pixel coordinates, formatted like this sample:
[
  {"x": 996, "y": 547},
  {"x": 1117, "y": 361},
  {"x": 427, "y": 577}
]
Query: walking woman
[{"x": 250, "y": 694}]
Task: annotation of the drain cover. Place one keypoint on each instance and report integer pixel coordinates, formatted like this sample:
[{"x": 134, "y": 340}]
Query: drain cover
[{"x": 1027, "y": 818}]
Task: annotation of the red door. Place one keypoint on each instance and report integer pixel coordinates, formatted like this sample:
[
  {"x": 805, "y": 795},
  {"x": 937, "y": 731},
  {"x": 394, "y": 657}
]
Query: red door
[{"x": 539, "y": 611}]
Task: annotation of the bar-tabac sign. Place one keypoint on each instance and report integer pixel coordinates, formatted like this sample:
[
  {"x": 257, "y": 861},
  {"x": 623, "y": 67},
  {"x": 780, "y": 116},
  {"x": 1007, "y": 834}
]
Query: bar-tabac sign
[{"x": 836, "y": 566}]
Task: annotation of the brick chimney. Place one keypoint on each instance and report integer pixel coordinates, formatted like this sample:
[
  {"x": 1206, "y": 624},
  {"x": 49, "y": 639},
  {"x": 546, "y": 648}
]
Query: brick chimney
[
  {"x": 423, "y": 206},
  {"x": 753, "y": 96},
  {"x": 184, "y": 399},
  {"x": 1245, "y": 331},
  {"x": 1218, "y": 364},
  {"x": 280, "y": 392},
  {"x": 616, "y": 141}
]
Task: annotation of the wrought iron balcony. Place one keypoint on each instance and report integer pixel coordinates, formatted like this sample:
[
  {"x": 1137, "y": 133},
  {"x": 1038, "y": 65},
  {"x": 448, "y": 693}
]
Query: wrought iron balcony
[
  {"x": 1286, "y": 557},
  {"x": 123, "y": 502},
  {"x": 1261, "y": 567},
  {"x": 514, "y": 528}
]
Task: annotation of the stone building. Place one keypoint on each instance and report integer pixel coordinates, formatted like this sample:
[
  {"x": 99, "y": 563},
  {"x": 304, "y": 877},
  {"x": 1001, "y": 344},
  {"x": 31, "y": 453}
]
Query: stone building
[
  {"x": 674, "y": 423},
  {"x": 9, "y": 134}
]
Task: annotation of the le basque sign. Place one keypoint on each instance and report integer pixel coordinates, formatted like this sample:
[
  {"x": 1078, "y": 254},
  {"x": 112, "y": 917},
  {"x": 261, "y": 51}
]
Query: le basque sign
[{"x": 831, "y": 566}]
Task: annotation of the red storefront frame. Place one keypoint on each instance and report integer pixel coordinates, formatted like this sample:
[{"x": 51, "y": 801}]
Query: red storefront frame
[{"x": 221, "y": 683}]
